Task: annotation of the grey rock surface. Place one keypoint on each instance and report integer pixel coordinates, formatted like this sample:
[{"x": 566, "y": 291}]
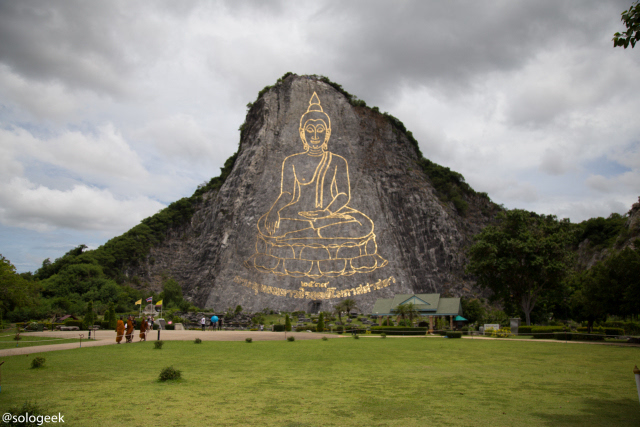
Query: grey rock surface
[{"x": 419, "y": 240}]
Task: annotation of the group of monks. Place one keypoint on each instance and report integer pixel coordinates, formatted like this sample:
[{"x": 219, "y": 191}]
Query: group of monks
[{"x": 128, "y": 334}]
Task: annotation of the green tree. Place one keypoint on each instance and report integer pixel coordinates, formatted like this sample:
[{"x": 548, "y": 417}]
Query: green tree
[
  {"x": 15, "y": 291},
  {"x": 406, "y": 310},
  {"x": 89, "y": 317},
  {"x": 631, "y": 19},
  {"x": 287, "y": 323},
  {"x": 238, "y": 309},
  {"x": 320, "y": 326},
  {"x": 522, "y": 257},
  {"x": 473, "y": 310},
  {"x": 112, "y": 315},
  {"x": 172, "y": 292}
]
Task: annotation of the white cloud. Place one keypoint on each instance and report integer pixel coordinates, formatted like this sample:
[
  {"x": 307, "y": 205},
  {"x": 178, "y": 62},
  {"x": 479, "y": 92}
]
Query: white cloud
[
  {"x": 23, "y": 204},
  {"x": 179, "y": 137},
  {"x": 99, "y": 157}
]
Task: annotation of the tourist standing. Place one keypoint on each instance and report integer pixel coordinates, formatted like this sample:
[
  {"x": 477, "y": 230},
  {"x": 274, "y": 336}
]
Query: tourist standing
[{"x": 203, "y": 322}]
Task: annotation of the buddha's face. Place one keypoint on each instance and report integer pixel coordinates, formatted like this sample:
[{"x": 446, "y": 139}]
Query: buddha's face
[{"x": 315, "y": 132}]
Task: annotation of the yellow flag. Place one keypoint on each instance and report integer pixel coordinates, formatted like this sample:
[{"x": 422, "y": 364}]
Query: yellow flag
[
  {"x": 159, "y": 302},
  {"x": 139, "y": 302}
]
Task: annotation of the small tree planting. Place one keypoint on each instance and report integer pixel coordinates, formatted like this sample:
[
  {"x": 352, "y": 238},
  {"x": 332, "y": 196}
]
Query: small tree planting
[
  {"x": 158, "y": 345},
  {"x": 249, "y": 340},
  {"x": 320, "y": 327},
  {"x": 291, "y": 338},
  {"x": 287, "y": 323},
  {"x": 89, "y": 317},
  {"x": 198, "y": 341},
  {"x": 37, "y": 362},
  {"x": 169, "y": 373}
]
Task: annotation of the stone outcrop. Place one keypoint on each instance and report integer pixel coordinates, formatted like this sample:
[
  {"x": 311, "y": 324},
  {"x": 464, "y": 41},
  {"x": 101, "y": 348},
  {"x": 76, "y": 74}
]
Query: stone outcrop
[{"x": 394, "y": 234}]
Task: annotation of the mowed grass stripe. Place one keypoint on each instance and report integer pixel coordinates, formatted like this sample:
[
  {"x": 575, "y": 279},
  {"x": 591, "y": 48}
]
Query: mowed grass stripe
[{"x": 339, "y": 382}]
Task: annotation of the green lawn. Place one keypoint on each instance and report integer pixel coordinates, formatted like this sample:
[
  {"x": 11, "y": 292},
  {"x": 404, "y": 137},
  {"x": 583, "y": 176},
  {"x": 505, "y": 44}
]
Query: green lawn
[
  {"x": 339, "y": 382},
  {"x": 7, "y": 341}
]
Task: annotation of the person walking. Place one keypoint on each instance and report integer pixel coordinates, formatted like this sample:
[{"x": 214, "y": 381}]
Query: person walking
[
  {"x": 214, "y": 322},
  {"x": 143, "y": 329},
  {"x": 119, "y": 330},
  {"x": 130, "y": 328}
]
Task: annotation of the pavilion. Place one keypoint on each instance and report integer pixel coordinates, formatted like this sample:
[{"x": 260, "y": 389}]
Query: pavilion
[{"x": 431, "y": 305}]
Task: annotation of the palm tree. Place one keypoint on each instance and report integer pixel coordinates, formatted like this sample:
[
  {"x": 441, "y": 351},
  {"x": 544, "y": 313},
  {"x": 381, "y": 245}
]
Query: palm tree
[
  {"x": 407, "y": 310},
  {"x": 344, "y": 306}
]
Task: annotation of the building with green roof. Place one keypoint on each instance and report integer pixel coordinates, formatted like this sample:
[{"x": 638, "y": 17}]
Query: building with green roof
[{"x": 427, "y": 305}]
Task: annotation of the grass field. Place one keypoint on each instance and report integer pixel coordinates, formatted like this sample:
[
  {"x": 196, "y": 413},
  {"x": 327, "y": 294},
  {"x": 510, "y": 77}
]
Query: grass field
[
  {"x": 339, "y": 382},
  {"x": 7, "y": 341}
]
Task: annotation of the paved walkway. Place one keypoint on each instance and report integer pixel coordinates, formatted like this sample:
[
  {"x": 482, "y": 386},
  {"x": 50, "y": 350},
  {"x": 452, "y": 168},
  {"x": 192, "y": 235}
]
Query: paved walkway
[{"x": 109, "y": 338}]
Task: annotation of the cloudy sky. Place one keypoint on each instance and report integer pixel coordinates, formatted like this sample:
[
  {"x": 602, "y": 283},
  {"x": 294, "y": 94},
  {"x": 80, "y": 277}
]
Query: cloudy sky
[{"x": 111, "y": 110}]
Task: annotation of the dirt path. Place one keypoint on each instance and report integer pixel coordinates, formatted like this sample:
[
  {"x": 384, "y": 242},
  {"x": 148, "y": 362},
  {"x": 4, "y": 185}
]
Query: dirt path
[{"x": 109, "y": 338}]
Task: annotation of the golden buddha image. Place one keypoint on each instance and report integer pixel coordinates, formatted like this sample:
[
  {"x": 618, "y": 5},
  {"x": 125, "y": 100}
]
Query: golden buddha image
[{"x": 310, "y": 230}]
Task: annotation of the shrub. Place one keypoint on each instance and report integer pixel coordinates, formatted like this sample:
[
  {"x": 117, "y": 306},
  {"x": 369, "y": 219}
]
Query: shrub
[
  {"x": 301, "y": 328},
  {"x": 524, "y": 330},
  {"x": 198, "y": 341},
  {"x": 287, "y": 323},
  {"x": 169, "y": 373},
  {"x": 324, "y": 338},
  {"x": 423, "y": 324},
  {"x": 158, "y": 345},
  {"x": 37, "y": 362},
  {"x": 278, "y": 328},
  {"x": 170, "y": 327},
  {"x": 291, "y": 338},
  {"x": 383, "y": 335},
  {"x": 454, "y": 334},
  {"x": 387, "y": 322},
  {"x": 502, "y": 333},
  {"x": 27, "y": 408},
  {"x": 340, "y": 329},
  {"x": 249, "y": 340},
  {"x": 356, "y": 336}
]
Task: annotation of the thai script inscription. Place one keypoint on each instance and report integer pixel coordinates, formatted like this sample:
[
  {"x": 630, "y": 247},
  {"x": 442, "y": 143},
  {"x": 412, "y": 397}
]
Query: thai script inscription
[{"x": 302, "y": 293}]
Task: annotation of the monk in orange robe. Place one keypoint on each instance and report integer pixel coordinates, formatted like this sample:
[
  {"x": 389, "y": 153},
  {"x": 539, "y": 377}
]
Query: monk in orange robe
[
  {"x": 144, "y": 326},
  {"x": 119, "y": 330},
  {"x": 130, "y": 327}
]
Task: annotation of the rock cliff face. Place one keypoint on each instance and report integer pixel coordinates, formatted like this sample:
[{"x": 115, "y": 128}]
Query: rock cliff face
[
  {"x": 587, "y": 255},
  {"x": 302, "y": 226}
]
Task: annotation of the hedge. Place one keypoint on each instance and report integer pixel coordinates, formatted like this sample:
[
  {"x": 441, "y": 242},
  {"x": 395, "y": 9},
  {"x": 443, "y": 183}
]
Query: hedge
[
  {"x": 603, "y": 331},
  {"x": 278, "y": 328},
  {"x": 398, "y": 330},
  {"x": 454, "y": 334},
  {"x": 546, "y": 332},
  {"x": 630, "y": 327},
  {"x": 525, "y": 329},
  {"x": 573, "y": 336}
]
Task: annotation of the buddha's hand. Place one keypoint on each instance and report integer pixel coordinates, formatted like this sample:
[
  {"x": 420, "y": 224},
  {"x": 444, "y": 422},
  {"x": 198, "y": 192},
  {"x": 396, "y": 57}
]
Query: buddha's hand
[
  {"x": 313, "y": 215},
  {"x": 272, "y": 222}
]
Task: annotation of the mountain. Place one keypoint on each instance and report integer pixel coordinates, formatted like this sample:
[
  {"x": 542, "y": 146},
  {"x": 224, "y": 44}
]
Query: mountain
[{"x": 325, "y": 199}]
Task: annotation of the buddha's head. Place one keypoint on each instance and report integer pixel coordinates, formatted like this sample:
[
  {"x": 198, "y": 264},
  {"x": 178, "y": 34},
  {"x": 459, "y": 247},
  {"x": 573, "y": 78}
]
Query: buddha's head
[{"x": 315, "y": 126}]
